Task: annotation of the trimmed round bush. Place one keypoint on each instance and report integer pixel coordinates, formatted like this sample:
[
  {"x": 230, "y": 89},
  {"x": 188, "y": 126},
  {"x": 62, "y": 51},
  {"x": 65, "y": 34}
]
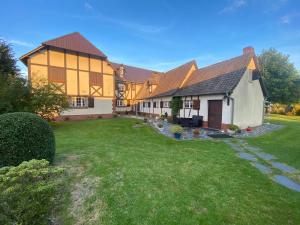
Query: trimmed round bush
[{"x": 25, "y": 136}]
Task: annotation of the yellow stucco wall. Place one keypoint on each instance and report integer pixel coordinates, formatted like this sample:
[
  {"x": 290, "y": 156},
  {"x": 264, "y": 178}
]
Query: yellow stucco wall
[
  {"x": 77, "y": 81},
  {"x": 40, "y": 57},
  {"x": 71, "y": 61},
  {"x": 108, "y": 83},
  {"x": 38, "y": 74},
  {"x": 107, "y": 68},
  {"x": 83, "y": 63},
  {"x": 83, "y": 83},
  {"x": 56, "y": 58},
  {"x": 72, "y": 86},
  {"x": 95, "y": 65}
]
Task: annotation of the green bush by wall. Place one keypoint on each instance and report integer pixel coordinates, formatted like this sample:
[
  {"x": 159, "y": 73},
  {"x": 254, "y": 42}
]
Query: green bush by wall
[{"x": 25, "y": 136}]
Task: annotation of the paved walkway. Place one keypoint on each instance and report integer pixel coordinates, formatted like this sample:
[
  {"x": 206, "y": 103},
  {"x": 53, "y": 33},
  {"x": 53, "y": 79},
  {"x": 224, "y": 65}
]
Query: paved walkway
[{"x": 267, "y": 164}]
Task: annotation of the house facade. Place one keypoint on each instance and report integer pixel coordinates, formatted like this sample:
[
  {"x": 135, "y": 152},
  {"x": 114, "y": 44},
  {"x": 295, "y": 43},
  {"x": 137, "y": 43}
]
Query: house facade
[{"x": 228, "y": 92}]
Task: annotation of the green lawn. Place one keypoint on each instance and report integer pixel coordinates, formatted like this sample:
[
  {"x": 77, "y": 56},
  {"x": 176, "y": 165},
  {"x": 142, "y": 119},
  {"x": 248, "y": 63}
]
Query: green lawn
[
  {"x": 284, "y": 143},
  {"x": 125, "y": 175}
]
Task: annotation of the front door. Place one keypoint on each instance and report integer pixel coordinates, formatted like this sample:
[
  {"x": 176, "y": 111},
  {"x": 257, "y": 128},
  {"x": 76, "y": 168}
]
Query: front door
[{"x": 215, "y": 114}]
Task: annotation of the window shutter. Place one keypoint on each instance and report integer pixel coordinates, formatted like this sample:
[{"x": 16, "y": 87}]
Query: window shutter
[
  {"x": 154, "y": 104},
  {"x": 196, "y": 104},
  {"x": 91, "y": 102},
  {"x": 161, "y": 104}
]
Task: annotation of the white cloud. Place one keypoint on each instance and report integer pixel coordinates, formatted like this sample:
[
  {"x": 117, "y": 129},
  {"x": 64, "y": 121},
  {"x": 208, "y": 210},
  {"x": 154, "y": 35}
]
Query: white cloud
[
  {"x": 88, "y": 6},
  {"x": 139, "y": 27},
  {"x": 233, "y": 6},
  {"x": 287, "y": 19},
  {"x": 19, "y": 42}
]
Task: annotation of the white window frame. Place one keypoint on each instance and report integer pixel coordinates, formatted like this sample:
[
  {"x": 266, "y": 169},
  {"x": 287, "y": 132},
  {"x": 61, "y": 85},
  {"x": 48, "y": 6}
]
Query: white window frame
[
  {"x": 188, "y": 104},
  {"x": 121, "y": 103},
  {"x": 79, "y": 102},
  {"x": 166, "y": 104}
]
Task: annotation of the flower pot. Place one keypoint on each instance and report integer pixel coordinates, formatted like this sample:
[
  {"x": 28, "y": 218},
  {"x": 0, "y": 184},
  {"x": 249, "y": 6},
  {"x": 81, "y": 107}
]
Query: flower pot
[
  {"x": 177, "y": 136},
  {"x": 231, "y": 132}
]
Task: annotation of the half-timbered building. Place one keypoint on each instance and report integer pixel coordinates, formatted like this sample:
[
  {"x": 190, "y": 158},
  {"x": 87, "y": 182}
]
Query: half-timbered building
[{"x": 228, "y": 92}]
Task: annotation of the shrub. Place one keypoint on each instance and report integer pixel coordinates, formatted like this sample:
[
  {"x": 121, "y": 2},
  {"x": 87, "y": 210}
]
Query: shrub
[
  {"x": 28, "y": 192},
  {"x": 25, "y": 136},
  {"x": 176, "y": 129},
  {"x": 160, "y": 125},
  {"x": 278, "y": 108},
  {"x": 233, "y": 127}
]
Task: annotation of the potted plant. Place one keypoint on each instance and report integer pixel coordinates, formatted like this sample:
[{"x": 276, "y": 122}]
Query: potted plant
[
  {"x": 249, "y": 129},
  {"x": 160, "y": 126},
  {"x": 196, "y": 132},
  {"x": 232, "y": 129},
  {"x": 177, "y": 131}
]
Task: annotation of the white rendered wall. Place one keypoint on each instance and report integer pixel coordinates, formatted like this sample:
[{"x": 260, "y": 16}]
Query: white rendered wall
[
  {"x": 101, "y": 106},
  {"x": 248, "y": 103}
]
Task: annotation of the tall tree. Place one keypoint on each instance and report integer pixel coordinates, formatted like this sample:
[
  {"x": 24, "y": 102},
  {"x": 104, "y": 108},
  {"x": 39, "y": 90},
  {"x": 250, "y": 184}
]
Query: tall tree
[
  {"x": 17, "y": 95},
  {"x": 14, "y": 92},
  {"x": 280, "y": 77}
]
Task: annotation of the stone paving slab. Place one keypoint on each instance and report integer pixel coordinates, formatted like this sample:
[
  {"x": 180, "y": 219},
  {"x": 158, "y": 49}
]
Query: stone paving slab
[
  {"x": 265, "y": 156},
  {"x": 283, "y": 167},
  {"x": 287, "y": 182},
  {"x": 262, "y": 168},
  {"x": 253, "y": 149},
  {"x": 247, "y": 156}
]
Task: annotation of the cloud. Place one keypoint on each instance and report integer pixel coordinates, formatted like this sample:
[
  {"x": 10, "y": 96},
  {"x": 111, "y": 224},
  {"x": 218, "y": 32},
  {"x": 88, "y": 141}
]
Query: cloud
[
  {"x": 88, "y": 6},
  {"x": 139, "y": 27},
  {"x": 233, "y": 6},
  {"x": 287, "y": 19},
  {"x": 20, "y": 43},
  {"x": 273, "y": 5}
]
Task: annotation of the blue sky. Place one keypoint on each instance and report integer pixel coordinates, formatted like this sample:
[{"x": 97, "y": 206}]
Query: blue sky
[{"x": 158, "y": 34}]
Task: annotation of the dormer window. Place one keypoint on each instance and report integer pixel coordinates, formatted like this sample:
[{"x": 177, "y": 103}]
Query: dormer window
[{"x": 121, "y": 71}]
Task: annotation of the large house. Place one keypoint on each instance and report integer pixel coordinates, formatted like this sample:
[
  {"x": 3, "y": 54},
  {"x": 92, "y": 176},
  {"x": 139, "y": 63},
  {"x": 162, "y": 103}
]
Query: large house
[{"x": 228, "y": 92}]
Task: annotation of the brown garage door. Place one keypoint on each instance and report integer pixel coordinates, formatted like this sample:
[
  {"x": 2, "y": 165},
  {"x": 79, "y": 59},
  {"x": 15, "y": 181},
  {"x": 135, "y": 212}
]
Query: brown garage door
[{"x": 215, "y": 114}]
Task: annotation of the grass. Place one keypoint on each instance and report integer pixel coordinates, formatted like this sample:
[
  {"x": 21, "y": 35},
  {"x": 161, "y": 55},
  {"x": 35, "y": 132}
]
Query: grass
[
  {"x": 284, "y": 143},
  {"x": 146, "y": 178}
]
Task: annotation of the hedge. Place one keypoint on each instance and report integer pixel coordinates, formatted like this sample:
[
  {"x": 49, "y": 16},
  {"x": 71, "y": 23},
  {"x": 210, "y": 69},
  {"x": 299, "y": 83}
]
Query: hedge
[
  {"x": 29, "y": 192},
  {"x": 25, "y": 136}
]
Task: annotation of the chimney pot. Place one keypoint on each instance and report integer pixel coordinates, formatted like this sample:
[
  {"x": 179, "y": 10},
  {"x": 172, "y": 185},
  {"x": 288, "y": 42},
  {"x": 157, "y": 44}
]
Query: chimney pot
[{"x": 248, "y": 50}]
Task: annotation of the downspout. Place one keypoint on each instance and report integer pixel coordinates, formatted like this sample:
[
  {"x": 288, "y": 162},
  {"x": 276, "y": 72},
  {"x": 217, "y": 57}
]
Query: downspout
[{"x": 227, "y": 95}]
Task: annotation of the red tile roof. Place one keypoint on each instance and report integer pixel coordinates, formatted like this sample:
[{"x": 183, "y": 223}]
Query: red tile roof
[
  {"x": 134, "y": 74},
  {"x": 220, "y": 68},
  {"x": 75, "y": 42},
  {"x": 168, "y": 83}
]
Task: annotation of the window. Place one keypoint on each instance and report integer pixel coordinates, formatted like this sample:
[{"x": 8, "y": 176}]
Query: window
[
  {"x": 166, "y": 104},
  {"x": 121, "y": 87},
  {"x": 149, "y": 104},
  {"x": 121, "y": 103},
  {"x": 188, "y": 104},
  {"x": 79, "y": 102},
  {"x": 154, "y": 104},
  {"x": 143, "y": 104},
  {"x": 122, "y": 71},
  {"x": 150, "y": 88}
]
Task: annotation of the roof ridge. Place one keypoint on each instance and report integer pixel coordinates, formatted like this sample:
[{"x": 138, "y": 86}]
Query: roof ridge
[
  {"x": 193, "y": 61},
  {"x": 226, "y": 60},
  {"x": 65, "y": 35},
  {"x": 137, "y": 67}
]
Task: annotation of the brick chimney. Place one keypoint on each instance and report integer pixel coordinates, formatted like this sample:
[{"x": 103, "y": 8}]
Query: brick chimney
[{"x": 248, "y": 50}]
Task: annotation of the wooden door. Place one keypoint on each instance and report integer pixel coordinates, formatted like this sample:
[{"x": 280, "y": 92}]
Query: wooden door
[{"x": 215, "y": 114}]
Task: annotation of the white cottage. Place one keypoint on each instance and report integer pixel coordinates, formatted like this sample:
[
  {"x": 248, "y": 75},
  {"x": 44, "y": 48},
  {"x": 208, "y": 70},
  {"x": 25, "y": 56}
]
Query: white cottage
[{"x": 229, "y": 92}]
